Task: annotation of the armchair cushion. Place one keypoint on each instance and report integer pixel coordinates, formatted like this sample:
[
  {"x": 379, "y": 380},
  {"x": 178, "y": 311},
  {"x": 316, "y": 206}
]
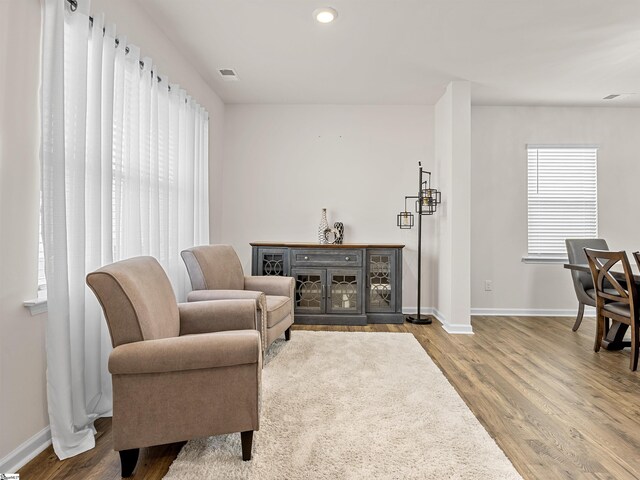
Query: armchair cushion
[
  {"x": 216, "y": 316},
  {"x": 192, "y": 352},
  {"x": 276, "y": 307}
]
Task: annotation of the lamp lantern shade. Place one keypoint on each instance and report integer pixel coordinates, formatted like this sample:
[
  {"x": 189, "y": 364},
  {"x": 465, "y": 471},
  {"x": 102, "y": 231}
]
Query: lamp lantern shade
[
  {"x": 405, "y": 220},
  {"x": 433, "y": 195},
  {"x": 430, "y": 201},
  {"x": 429, "y": 197}
]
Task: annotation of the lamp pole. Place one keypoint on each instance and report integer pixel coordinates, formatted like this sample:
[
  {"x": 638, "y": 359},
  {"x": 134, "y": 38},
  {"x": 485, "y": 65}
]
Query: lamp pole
[{"x": 430, "y": 198}]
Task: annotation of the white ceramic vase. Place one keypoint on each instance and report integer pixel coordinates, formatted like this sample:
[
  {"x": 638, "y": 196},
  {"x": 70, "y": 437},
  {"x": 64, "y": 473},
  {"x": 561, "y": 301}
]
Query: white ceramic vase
[{"x": 322, "y": 228}]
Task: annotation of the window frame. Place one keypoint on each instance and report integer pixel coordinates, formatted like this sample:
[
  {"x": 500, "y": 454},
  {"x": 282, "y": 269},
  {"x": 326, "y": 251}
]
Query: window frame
[
  {"x": 38, "y": 304},
  {"x": 550, "y": 258}
]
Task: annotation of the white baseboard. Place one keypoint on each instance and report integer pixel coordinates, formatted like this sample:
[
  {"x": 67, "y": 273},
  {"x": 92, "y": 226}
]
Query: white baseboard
[
  {"x": 530, "y": 312},
  {"x": 454, "y": 328},
  {"x": 424, "y": 311},
  {"x": 458, "y": 328},
  {"x": 26, "y": 451}
]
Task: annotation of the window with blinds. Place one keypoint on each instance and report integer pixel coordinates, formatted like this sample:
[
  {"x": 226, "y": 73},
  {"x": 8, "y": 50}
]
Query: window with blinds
[{"x": 562, "y": 197}]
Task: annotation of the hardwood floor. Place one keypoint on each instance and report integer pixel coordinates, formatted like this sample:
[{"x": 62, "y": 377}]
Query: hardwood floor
[{"x": 556, "y": 408}]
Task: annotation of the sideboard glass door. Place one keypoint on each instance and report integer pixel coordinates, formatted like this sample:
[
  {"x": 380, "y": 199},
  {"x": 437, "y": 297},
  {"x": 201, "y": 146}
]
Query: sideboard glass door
[
  {"x": 381, "y": 294},
  {"x": 273, "y": 262},
  {"x": 310, "y": 290},
  {"x": 344, "y": 291}
]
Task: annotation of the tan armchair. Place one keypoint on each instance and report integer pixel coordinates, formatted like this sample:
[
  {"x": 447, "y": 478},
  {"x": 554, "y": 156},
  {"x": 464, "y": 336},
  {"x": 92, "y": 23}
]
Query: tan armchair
[
  {"x": 179, "y": 371},
  {"x": 216, "y": 273}
]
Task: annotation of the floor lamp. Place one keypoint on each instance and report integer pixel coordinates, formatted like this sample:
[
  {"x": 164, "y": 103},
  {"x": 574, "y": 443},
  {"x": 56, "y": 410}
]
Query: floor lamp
[{"x": 427, "y": 202}]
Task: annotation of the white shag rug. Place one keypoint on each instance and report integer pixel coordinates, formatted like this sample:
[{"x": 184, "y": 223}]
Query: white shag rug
[{"x": 338, "y": 405}]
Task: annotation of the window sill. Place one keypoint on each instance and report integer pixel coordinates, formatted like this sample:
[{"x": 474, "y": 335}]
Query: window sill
[
  {"x": 543, "y": 259},
  {"x": 36, "y": 306}
]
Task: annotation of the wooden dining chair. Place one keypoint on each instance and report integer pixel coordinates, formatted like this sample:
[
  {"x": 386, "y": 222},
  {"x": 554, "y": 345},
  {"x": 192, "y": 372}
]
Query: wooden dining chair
[{"x": 616, "y": 302}]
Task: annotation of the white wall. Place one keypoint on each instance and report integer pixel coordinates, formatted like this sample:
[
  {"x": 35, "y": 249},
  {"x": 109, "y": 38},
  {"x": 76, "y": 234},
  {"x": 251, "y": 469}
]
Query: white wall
[
  {"x": 283, "y": 164},
  {"x": 499, "y": 206},
  {"x": 452, "y": 178},
  {"x": 22, "y": 356},
  {"x": 23, "y": 411}
]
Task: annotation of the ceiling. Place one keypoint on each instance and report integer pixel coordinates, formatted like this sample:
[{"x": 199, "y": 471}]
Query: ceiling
[{"x": 514, "y": 52}]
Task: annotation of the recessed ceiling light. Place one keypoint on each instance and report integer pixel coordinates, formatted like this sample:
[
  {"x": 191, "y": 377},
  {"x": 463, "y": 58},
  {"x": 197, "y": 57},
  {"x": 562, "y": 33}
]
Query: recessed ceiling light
[{"x": 325, "y": 14}]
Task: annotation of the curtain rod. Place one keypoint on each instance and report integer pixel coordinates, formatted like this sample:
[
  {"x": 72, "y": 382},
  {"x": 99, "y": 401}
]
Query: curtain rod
[{"x": 73, "y": 6}]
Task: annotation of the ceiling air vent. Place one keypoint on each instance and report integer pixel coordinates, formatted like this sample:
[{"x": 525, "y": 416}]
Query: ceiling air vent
[{"x": 228, "y": 74}]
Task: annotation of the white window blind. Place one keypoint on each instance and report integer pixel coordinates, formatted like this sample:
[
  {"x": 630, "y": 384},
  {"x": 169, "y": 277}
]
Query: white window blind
[{"x": 562, "y": 197}]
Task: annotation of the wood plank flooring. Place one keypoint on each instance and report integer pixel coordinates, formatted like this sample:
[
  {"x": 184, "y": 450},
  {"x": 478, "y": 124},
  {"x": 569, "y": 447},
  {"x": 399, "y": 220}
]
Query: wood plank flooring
[{"x": 556, "y": 408}]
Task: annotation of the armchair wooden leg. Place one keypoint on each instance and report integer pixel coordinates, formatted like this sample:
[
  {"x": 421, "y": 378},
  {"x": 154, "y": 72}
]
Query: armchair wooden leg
[
  {"x": 287, "y": 334},
  {"x": 579, "y": 317},
  {"x": 128, "y": 461},
  {"x": 247, "y": 441}
]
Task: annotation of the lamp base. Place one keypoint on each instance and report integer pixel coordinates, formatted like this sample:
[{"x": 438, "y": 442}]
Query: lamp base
[{"x": 419, "y": 319}]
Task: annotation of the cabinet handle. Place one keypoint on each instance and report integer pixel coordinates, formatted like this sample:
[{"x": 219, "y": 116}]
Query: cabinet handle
[
  {"x": 324, "y": 288},
  {"x": 306, "y": 258},
  {"x": 346, "y": 258}
]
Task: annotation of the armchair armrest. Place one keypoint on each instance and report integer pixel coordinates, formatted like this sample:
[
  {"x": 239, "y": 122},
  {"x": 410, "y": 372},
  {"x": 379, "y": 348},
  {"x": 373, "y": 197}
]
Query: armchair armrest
[
  {"x": 217, "y": 316},
  {"x": 282, "y": 286},
  {"x": 192, "y": 352},
  {"x": 201, "y": 295}
]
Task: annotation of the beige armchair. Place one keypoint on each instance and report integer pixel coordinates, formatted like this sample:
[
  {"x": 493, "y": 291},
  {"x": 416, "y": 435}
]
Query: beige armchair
[
  {"x": 216, "y": 273},
  {"x": 179, "y": 371}
]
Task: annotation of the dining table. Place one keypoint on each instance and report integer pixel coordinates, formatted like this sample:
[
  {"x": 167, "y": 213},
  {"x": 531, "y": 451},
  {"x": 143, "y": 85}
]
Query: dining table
[{"x": 614, "y": 340}]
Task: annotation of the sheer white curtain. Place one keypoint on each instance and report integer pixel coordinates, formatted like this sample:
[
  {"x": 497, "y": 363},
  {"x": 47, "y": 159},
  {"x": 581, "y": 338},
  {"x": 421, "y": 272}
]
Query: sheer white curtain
[{"x": 124, "y": 173}]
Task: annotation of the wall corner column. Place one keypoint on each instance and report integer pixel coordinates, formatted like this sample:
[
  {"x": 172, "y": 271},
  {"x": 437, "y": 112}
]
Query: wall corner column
[{"x": 453, "y": 178}]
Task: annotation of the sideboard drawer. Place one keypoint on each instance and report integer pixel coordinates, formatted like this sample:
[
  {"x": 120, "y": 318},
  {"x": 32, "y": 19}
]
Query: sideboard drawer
[{"x": 323, "y": 258}]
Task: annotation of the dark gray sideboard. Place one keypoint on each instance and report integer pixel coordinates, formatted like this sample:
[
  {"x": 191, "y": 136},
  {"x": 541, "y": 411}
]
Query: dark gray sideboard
[{"x": 348, "y": 284}]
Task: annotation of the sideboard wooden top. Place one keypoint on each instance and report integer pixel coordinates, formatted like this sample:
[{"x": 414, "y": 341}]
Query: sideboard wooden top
[{"x": 318, "y": 245}]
